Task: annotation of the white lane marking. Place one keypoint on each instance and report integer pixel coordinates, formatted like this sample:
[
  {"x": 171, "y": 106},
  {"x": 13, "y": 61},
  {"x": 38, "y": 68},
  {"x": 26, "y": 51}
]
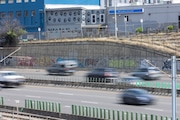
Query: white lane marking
[
  {"x": 33, "y": 96},
  {"x": 67, "y": 106},
  {"x": 154, "y": 109},
  {"x": 15, "y": 89},
  {"x": 66, "y": 93},
  {"x": 90, "y": 102}
]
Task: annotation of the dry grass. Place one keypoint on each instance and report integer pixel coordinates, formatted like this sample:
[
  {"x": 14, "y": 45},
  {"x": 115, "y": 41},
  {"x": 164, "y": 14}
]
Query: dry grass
[{"x": 164, "y": 42}]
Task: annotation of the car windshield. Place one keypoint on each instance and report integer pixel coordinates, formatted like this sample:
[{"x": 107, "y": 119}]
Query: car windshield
[
  {"x": 8, "y": 74},
  {"x": 140, "y": 92}
]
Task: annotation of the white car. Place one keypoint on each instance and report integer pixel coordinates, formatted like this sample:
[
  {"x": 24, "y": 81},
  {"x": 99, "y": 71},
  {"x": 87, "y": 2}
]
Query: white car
[{"x": 11, "y": 78}]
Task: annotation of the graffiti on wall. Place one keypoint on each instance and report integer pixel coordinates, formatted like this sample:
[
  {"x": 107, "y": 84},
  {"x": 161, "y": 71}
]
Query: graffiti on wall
[
  {"x": 25, "y": 61},
  {"x": 104, "y": 62},
  {"x": 95, "y": 62},
  {"x": 122, "y": 63}
]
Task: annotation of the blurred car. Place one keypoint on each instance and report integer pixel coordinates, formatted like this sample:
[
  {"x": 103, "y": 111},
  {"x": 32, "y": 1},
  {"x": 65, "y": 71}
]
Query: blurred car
[
  {"x": 149, "y": 73},
  {"x": 137, "y": 96},
  {"x": 106, "y": 75},
  {"x": 131, "y": 80},
  {"x": 11, "y": 78},
  {"x": 66, "y": 67}
]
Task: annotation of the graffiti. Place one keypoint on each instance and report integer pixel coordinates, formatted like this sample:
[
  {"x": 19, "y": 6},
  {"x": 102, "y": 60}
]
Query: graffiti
[
  {"x": 122, "y": 63},
  {"x": 166, "y": 65},
  {"x": 5, "y": 62},
  {"x": 93, "y": 62},
  {"x": 44, "y": 61},
  {"x": 25, "y": 61}
]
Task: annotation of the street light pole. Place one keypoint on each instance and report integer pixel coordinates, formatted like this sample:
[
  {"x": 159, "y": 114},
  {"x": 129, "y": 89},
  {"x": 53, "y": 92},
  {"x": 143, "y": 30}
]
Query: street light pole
[
  {"x": 125, "y": 29},
  {"x": 115, "y": 19},
  {"x": 141, "y": 20},
  {"x": 173, "y": 88}
]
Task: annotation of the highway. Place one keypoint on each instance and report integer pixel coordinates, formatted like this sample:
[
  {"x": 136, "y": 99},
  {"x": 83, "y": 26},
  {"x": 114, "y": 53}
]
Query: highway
[
  {"x": 79, "y": 76},
  {"x": 84, "y": 97}
]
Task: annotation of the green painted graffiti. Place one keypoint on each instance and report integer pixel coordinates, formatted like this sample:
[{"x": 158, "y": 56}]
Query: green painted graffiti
[{"x": 122, "y": 63}]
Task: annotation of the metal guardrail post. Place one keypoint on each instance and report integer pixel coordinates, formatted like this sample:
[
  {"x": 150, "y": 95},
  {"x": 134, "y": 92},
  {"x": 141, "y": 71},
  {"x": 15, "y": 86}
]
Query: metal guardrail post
[
  {"x": 109, "y": 114},
  {"x": 122, "y": 115},
  {"x": 141, "y": 116},
  {"x": 136, "y": 116},
  {"x": 152, "y": 116},
  {"x": 132, "y": 117},
  {"x": 113, "y": 113},
  {"x": 72, "y": 107}
]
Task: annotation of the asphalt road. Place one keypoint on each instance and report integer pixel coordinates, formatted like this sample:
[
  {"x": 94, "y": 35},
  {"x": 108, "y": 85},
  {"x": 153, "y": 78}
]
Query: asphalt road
[
  {"x": 85, "y": 97},
  {"x": 79, "y": 76}
]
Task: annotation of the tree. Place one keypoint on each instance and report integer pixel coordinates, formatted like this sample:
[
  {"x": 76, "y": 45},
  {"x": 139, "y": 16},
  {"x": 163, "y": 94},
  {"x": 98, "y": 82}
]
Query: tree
[{"x": 10, "y": 31}]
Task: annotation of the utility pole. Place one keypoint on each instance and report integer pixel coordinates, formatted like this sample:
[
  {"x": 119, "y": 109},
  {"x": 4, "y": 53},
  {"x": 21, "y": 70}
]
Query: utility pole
[
  {"x": 173, "y": 87},
  {"x": 115, "y": 19}
]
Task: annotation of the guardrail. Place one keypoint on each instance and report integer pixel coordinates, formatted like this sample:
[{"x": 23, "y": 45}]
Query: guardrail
[
  {"x": 107, "y": 114},
  {"x": 158, "y": 88},
  {"x": 43, "y": 105},
  {"x": 70, "y": 79}
]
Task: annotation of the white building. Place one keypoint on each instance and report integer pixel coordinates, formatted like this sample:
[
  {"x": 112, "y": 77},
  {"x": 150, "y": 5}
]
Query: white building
[{"x": 111, "y": 3}]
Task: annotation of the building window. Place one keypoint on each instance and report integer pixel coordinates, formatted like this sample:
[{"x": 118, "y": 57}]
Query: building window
[
  {"x": 25, "y": 13},
  {"x": 33, "y": 0},
  {"x": 110, "y": 3},
  {"x": 18, "y": 1},
  {"x": 126, "y": 18},
  {"x": 10, "y": 1},
  {"x": 10, "y": 14},
  {"x": 26, "y": 1},
  {"x": 33, "y": 13},
  {"x": 102, "y": 18},
  {"x": 2, "y": 1},
  {"x": 18, "y": 13},
  {"x": 2, "y": 14},
  {"x": 93, "y": 18}
]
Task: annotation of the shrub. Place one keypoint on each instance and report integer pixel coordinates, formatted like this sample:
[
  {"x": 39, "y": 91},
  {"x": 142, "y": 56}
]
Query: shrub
[
  {"x": 170, "y": 27},
  {"x": 139, "y": 30}
]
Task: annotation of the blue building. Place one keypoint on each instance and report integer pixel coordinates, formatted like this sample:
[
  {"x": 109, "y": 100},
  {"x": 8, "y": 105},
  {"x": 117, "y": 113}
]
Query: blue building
[{"x": 31, "y": 13}]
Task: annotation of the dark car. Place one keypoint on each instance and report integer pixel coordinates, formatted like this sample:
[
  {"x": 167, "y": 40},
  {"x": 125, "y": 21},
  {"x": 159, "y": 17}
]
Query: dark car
[
  {"x": 137, "y": 96},
  {"x": 105, "y": 75},
  {"x": 66, "y": 67},
  {"x": 148, "y": 73}
]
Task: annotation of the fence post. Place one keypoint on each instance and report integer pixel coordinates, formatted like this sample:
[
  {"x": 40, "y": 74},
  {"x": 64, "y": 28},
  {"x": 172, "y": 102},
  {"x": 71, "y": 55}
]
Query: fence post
[
  {"x": 151, "y": 117},
  {"x": 132, "y": 117},
  {"x": 2, "y": 101},
  {"x": 89, "y": 111},
  {"x": 94, "y": 112},
  {"x": 136, "y": 116},
  {"x": 75, "y": 109},
  {"x": 100, "y": 113},
  {"x": 72, "y": 109},
  {"x": 97, "y": 113},
  {"x": 83, "y": 110},
  {"x": 104, "y": 113},
  {"x": 80, "y": 110},
  {"x": 113, "y": 112},
  {"x": 122, "y": 115},
  {"x": 146, "y": 116},
  {"x": 86, "y": 111},
  {"x": 127, "y": 116},
  {"x": 141, "y": 116},
  {"x": 118, "y": 115},
  {"x": 109, "y": 114}
]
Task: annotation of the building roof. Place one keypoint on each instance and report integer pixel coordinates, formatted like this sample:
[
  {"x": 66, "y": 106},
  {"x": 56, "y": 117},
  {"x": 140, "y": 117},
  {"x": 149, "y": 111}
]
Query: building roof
[
  {"x": 74, "y": 2},
  {"x": 62, "y": 6}
]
